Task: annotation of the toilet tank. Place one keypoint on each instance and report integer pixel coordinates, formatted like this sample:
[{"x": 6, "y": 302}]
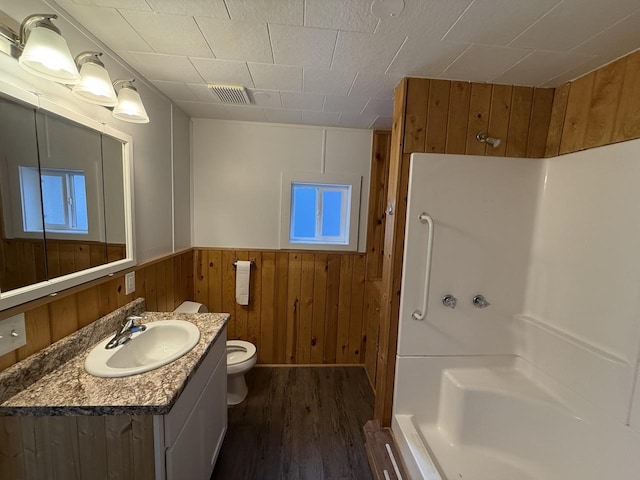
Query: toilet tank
[{"x": 191, "y": 307}]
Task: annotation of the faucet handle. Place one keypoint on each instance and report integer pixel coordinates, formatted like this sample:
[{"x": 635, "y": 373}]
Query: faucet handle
[
  {"x": 449, "y": 301},
  {"x": 131, "y": 320},
  {"x": 480, "y": 302}
]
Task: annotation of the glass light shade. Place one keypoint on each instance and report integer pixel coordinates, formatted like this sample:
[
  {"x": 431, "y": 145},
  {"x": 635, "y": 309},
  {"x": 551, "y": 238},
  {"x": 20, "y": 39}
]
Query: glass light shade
[
  {"x": 95, "y": 86},
  {"x": 47, "y": 55},
  {"x": 130, "y": 107}
]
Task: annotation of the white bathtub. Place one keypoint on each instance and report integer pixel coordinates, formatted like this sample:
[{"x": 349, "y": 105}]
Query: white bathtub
[{"x": 484, "y": 418}]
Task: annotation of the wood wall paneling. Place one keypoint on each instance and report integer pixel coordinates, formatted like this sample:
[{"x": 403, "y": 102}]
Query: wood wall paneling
[
  {"x": 34, "y": 448},
  {"x": 627, "y": 122}
]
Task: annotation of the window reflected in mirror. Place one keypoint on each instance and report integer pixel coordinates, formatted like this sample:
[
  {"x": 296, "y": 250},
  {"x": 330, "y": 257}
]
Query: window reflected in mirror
[{"x": 62, "y": 197}]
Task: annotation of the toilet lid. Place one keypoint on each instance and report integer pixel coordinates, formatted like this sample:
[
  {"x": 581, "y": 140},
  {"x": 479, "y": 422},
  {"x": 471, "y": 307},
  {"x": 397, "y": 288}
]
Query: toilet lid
[{"x": 239, "y": 351}]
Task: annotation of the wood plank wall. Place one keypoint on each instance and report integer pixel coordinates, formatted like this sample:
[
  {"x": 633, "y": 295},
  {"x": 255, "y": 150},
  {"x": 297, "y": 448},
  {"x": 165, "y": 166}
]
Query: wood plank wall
[
  {"x": 597, "y": 109},
  {"x": 22, "y": 261},
  {"x": 77, "y": 447},
  {"x": 164, "y": 283},
  {"x": 304, "y": 307},
  {"x": 442, "y": 116}
]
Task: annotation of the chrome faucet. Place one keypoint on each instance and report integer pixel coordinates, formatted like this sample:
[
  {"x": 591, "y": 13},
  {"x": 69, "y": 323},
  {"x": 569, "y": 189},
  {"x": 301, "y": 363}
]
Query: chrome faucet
[
  {"x": 123, "y": 335},
  {"x": 480, "y": 302}
]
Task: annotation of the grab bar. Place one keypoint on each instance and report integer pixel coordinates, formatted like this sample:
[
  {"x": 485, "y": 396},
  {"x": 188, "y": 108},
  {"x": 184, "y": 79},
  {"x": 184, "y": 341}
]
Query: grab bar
[{"x": 420, "y": 314}]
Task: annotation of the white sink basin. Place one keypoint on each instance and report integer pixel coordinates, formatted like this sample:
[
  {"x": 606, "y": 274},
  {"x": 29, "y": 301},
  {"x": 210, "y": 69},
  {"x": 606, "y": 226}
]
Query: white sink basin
[{"x": 161, "y": 343}]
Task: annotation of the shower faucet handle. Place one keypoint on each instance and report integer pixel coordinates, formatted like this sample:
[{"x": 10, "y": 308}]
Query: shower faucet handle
[
  {"x": 480, "y": 302},
  {"x": 449, "y": 301}
]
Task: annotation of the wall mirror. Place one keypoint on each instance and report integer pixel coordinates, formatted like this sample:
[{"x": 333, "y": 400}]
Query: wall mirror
[{"x": 65, "y": 200}]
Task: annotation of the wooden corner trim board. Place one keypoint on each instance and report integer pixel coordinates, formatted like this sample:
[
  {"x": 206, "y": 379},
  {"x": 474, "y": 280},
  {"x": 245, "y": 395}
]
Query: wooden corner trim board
[{"x": 441, "y": 116}]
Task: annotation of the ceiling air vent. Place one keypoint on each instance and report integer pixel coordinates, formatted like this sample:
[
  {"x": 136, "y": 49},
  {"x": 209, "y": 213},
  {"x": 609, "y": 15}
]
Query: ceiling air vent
[{"x": 231, "y": 94}]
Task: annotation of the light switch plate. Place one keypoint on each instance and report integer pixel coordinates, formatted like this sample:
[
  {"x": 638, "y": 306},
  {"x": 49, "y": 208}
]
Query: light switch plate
[
  {"x": 12, "y": 333},
  {"x": 129, "y": 283}
]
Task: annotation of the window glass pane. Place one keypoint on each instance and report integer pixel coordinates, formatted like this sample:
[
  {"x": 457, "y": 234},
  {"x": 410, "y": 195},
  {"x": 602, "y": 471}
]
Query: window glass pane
[
  {"x": 331, "y": 213},
  {"x": 80, "y": 202},
  {"x": 304, "y": 212},
  {"x": 54, "y": 200}
]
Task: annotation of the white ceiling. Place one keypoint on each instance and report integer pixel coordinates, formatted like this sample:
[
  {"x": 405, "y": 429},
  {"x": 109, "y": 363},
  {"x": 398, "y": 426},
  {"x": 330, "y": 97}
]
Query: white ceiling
[{"x": 332, "y": 62}]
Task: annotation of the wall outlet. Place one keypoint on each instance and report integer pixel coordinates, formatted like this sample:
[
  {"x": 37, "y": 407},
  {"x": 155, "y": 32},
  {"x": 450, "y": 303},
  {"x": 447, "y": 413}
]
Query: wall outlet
[
  {"x": 12, "y": 333},
  {"x": 129, "y": 283}
]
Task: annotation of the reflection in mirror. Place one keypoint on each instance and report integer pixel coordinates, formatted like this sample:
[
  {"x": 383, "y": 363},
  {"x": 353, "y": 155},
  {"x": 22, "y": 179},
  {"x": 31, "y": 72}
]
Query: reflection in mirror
[
  {"x": 113, "y": 173},
  {"x": 72, "y": 195},
  {"x": 22, "y": 252}
]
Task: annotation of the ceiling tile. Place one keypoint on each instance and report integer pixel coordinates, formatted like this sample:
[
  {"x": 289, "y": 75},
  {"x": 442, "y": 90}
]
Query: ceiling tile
[
  {"x": 302, "y": 46},
  {"x": 497, "y": 22},
  {"x": 573, "y": 22},
  {"x": 128, "y": 4},
  {"x": 379, "y": 107},
  {"x": 378, "y": 86},
  {"x": 276, "y": 77},
  {"x": 191, "y": 8},
  {"x": 283, "y": 115},
  {"x": 344, "y": 104},
  {"x": 481, "y": 63},
  {"x": 266, "y": 98},
  {"x": 539, "y": 67},
  {"x": 425, "y": 59},
  {"x": 382, "y": 123},
  {"x": 319, "y": 118},
  {"x": 232, "y": 40},
  {"x": 176, "y": 91},
  {"x": 155, "y": 66},
  {"x": 223, "y": 72},
  {"x": 170, "y": 34},
  {"x": 329, "y": 82},
  {"x": 109, "y": 26},
  {"x": 302, "y": 101},
  {"x": 246, "y": 114},
  {"x": 615, "y": 41},
  {"x": 355, "y": 121},
  {"x": 365, "y": 51},
  {"x": 576, "y": 72},
  {"x": 421, "y": 18},
  {"x": 353, "y": 15},
  {"x": 203, "y": 93},
  {"x": 287, "y": 12},
  {"x": 204, "y": 110}
]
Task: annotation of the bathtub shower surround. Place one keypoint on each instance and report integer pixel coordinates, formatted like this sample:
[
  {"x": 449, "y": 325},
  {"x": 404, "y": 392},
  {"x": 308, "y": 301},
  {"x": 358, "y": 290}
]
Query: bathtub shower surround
[{"x": 539, "y": 384}]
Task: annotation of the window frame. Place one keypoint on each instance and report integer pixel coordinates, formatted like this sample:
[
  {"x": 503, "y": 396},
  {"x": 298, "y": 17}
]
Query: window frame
[
  {"x": 69, "y": 200},
  {"x": 288, "y": 179}
]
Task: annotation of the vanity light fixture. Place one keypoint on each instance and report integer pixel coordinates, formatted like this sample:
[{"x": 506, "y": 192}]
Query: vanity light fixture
[
  {"x": 482, "y": 137},
  {"x": 130, "y": 107},
  {"x": 95, "y": 86},
  {"x": 40, "y": 49}
]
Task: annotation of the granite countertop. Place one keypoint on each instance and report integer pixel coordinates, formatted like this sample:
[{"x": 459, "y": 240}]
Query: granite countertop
[{"x": 67, "y": 389}]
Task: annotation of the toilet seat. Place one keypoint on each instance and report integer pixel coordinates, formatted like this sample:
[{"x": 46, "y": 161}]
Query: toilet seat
[{"x": 240, "y": 352}]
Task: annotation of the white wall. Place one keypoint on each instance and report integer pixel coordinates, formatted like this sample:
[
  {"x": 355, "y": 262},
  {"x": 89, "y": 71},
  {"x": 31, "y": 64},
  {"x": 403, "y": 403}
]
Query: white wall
[
  {"x": 582, "y": 313},
  {"x": 152, "y": 144},
  {"x": 236, "y": 176}
]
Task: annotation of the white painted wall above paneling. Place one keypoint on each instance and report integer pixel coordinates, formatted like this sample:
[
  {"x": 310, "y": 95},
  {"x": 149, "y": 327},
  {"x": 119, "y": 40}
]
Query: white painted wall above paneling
[{"x": 236, "y": 176}]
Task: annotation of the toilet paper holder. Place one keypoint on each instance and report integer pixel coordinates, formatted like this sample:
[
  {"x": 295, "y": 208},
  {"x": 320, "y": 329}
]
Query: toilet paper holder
[{"x": 235, "y": 262}]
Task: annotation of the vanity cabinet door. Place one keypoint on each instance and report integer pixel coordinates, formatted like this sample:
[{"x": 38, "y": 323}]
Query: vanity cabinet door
[{"x": 194, "y": 450}]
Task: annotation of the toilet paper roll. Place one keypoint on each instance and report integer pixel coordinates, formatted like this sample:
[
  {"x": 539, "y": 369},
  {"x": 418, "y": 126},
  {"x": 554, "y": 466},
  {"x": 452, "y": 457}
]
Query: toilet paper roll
[{"x": 243, "y": 272}]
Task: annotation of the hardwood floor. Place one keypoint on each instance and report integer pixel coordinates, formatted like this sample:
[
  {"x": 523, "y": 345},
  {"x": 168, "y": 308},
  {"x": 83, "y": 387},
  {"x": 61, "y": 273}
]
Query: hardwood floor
[{"x": 299, "y": 423}]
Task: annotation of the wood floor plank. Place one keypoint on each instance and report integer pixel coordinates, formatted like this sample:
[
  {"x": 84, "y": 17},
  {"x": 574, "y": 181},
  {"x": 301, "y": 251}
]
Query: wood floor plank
[{"x": 299, "y": 423}]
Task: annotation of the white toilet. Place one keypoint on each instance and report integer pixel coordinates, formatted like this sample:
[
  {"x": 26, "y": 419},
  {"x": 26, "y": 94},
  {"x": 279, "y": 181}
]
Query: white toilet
[{"x": 241, "y": 357}]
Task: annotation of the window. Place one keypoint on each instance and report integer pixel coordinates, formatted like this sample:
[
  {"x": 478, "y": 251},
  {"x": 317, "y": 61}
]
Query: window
[
  {"x": 320, "y": 211},
  {"x": 64, "y": 200}
]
